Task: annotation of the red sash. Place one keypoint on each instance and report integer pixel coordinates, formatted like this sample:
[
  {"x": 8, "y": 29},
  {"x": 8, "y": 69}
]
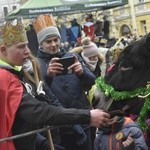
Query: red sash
[{"x": 10, "y": 97}]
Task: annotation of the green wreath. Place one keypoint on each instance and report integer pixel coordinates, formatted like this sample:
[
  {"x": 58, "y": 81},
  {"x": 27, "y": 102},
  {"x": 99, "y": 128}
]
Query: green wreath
[{"x": 118, "y": 96}]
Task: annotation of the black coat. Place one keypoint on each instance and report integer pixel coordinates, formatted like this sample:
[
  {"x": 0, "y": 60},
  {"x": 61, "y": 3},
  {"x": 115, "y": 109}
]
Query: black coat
[{"x": 33, "y": 113}]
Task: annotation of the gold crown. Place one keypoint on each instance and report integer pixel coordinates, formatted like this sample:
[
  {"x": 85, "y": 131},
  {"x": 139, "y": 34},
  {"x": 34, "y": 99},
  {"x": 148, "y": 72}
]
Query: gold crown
[
  {"x": 12, "y": 34},
  {"x": 43, "y": 21}
]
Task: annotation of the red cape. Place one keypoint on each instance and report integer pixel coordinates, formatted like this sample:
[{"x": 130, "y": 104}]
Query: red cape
[{"x": 11, "y": 91}]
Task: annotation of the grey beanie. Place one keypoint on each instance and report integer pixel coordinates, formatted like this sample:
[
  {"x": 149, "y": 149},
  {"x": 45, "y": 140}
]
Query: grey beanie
[
  {"x": 47, "y": 33},
  {"x": 89, "y": 48}
]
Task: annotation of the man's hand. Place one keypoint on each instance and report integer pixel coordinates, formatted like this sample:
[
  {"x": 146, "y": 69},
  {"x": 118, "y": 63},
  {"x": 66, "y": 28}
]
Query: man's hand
[
  {"x": 77, "y": 67},
  {"x": 54, "y": 67},
  {"x": 100, "y": 118}
]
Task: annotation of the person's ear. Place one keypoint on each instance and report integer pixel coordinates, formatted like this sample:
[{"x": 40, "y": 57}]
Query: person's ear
[
  {"x": 3, "y": 49},
  {"x": 40, "y": 46}
]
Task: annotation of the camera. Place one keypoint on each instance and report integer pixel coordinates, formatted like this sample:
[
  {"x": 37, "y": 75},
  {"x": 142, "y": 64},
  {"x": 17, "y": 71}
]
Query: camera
[{"x": 66, "y": 62}]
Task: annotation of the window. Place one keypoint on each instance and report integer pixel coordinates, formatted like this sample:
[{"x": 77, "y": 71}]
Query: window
[
  {"x": 5, "y": 11},
  {"x": 141, "y": 6},
  {"x": 144, "y": 26},
  {"x": 125, "y": 29},
  {"x": 140, "y": 1},
  {"x": 14, "y": 7}
]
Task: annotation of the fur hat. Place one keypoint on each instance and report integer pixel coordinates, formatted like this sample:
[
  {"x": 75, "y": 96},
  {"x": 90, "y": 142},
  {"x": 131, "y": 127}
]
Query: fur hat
[
  {"x": 47, "y": 33},
  {"x": 89, "y": 48}
]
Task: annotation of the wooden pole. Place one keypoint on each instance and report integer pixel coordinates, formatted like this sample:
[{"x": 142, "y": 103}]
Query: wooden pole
[{"x": 36, "y": 76}]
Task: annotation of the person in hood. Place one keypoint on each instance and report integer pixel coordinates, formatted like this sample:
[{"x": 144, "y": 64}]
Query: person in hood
[{"x": 124, "y": 134}]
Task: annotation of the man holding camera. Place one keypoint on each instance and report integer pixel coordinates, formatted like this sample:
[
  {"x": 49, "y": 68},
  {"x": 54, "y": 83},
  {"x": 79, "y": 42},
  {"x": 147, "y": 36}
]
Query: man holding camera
[{"x": 69, "y": 86}]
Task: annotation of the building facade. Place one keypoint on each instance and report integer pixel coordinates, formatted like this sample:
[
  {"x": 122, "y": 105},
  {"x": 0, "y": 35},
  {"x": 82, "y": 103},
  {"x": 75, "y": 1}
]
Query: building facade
[
  {"x": 6, "y": 7},
  {"x": 132, "y": 18}
]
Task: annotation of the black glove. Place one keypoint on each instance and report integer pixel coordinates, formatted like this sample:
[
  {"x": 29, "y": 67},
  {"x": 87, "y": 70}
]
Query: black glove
[{"x": 81, "y": 136}]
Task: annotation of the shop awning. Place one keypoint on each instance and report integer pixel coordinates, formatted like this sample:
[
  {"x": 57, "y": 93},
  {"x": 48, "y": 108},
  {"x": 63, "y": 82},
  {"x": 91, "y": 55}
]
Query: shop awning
[{"x": 32, "y": 8}]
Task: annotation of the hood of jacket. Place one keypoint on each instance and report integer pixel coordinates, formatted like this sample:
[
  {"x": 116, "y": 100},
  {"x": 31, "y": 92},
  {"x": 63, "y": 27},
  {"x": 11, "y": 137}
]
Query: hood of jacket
[
  {"x": 115, "y": 127},
  {"x": 7, "y": 66},
  {"x": 42, "y": 54}
]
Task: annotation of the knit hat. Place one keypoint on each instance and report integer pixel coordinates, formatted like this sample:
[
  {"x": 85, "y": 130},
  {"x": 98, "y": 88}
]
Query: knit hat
[
  {"x": 47, "y": 33},
  {"x": 89, "y": 48}
]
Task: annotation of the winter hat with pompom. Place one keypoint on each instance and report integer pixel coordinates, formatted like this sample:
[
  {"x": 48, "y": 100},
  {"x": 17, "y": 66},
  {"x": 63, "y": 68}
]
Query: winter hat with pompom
[{"x": 89, "y": 48}]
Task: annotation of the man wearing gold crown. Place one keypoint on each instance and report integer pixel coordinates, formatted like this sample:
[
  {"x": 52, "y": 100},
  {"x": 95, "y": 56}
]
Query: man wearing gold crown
[{"x": 19, "y": 110}]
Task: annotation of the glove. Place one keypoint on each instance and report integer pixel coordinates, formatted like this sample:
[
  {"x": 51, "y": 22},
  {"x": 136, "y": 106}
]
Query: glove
[
  {"x": 81, "y": 136},
  {"x": 128, "y": 143}
]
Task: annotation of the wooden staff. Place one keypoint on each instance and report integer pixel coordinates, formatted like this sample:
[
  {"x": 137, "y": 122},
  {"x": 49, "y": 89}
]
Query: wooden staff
[
  {"x": 119, "y": 40},
  {"x": 36, "y": 76}
]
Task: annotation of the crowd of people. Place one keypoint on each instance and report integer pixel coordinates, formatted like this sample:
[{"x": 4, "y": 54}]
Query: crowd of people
[{"x": 36, "y": 92}]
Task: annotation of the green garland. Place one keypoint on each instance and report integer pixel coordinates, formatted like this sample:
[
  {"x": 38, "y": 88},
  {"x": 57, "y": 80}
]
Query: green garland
[{"x": 117, "y": 96}]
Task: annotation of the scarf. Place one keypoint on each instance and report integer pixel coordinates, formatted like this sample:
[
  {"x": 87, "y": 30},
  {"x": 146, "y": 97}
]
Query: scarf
[{"x": 91, "y": 63}]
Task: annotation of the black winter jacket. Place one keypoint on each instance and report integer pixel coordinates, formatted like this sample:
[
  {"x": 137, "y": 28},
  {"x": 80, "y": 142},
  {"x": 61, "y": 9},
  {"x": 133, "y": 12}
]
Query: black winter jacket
[
  {"x": 68, "y": 88},
  {"x": 33, "y": 113}
]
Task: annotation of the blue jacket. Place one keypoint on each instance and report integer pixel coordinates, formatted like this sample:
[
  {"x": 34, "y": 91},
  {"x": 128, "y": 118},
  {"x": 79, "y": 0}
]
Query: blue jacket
[
  {"x": 70, "y": 89},
  {"x": 107, "y": 137}
]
